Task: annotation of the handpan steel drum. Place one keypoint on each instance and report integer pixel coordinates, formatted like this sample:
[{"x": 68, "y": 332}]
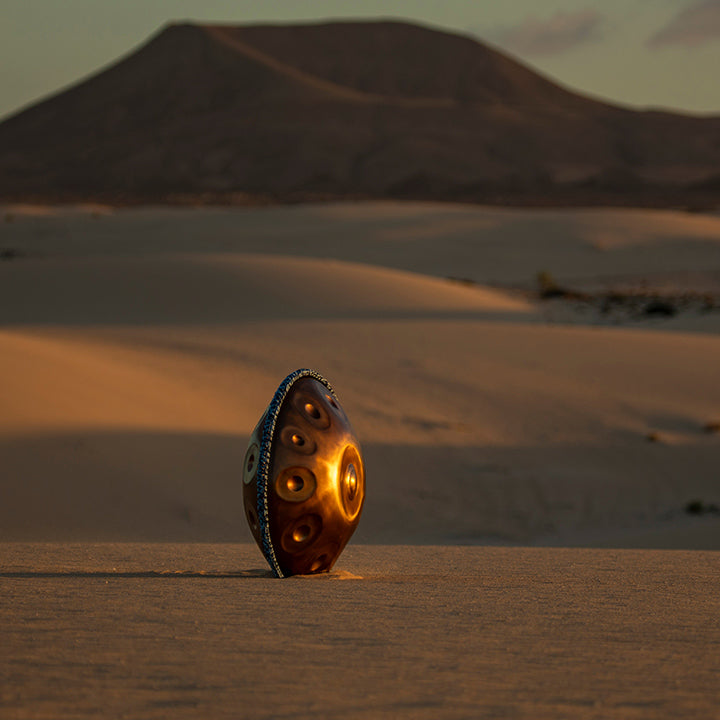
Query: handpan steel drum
[{"x": 303, "y": 478}]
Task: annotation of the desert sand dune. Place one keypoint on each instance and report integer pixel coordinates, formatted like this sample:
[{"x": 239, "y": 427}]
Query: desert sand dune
[
  {"x": 487, "y": 245},
  {"x": 139, "y": 348},
  {"x": 230, "y": 287},
  {"x": 545, "y": 435}
]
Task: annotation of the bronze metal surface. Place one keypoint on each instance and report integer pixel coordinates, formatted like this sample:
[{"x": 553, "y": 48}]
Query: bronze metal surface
[{"x": 303, "y": 478}]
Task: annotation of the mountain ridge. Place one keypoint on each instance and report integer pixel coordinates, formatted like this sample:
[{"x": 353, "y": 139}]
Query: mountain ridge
[{"x": 345, "y": 109}]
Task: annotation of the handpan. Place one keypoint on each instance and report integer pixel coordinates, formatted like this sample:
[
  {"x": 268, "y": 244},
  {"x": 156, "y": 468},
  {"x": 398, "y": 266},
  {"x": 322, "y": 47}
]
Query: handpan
[{"x": 303, "y": 478}]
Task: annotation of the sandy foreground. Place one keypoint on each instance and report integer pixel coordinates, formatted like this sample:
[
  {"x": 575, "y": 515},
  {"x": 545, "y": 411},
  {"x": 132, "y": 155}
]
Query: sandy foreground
[{"x": 199, "y": 630}]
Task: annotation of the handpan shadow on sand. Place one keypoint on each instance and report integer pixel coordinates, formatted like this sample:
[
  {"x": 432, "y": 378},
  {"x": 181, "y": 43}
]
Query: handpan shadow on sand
[{"x": 253, "y": 574}]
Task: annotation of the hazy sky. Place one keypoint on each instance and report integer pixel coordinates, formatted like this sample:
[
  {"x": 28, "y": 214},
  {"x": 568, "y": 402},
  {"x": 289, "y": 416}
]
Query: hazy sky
[{"x": 661, "y": 53}]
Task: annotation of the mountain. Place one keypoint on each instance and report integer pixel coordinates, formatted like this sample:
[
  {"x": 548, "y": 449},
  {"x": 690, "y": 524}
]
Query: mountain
[{"x": 345, "y": 109}]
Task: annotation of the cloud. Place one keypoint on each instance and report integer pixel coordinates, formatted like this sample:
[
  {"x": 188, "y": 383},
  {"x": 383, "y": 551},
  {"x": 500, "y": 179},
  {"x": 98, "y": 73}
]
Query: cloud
[
  {"x": 697, "y": 24},
  {"x": 556, "y": 34}
]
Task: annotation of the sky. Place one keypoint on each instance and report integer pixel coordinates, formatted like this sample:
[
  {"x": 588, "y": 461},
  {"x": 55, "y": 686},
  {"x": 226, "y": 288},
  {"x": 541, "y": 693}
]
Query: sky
[{"x": 640, "y": 53}]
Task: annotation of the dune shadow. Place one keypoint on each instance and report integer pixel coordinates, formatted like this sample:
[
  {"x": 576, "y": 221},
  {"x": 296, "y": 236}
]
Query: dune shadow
[
  {"x": 147, "y": 291},
  {"x": 88, "y": 485},
  {"x": 186, "y": 487},
  {"x": 625, "y": 492}
]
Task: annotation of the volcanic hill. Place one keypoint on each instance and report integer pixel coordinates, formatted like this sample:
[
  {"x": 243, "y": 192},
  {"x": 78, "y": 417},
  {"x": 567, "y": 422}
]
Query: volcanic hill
[{"x": 345, "y": 109}]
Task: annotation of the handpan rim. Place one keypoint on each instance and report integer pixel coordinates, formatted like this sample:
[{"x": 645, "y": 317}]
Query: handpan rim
[{"x": 263, "y": 470}]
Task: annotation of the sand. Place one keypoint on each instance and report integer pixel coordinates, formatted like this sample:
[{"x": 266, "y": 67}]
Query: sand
[
  {"x": 503, "y": 437},
  {"x": 156, "y": 631},
  {"x": 139, "y": 347}
]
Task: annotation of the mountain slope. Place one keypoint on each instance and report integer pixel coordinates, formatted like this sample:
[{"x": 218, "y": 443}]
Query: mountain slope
[{"x": 366, "y": 108}]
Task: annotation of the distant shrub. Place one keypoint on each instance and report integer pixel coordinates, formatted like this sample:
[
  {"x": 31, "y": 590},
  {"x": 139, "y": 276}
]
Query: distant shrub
[
  {"x": 9, "y": 253},
  {"x": 548, "y": 287},
  {"x": 698, "y": 507},
  {"x": 694, "y": 507},
  {"x": 660, "y": 308}
]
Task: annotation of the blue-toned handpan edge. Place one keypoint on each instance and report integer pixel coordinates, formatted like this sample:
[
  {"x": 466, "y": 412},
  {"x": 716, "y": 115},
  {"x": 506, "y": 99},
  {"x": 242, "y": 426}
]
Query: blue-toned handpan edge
[{"x": 268, "y": 434}]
